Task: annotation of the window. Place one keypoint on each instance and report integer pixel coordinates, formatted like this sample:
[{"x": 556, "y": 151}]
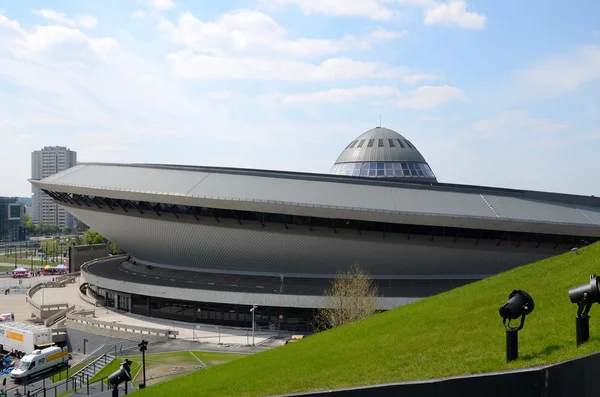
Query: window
[
  {"x": 361, "y": 143},
  {"x": 352, "y": 144},
  {"x": 370, "y": 144},
  {"x": 400, "y": 143},
  {"x": 409, "y": 144},
  {"x": 380, "y": 143},
  {"x": 391, "y": 141}
]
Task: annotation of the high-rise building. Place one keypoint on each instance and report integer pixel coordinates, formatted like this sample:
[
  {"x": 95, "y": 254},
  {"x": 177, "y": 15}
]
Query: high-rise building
[
  {"x": 11, "y": 219},
  {"x": 44, "y": 163}
]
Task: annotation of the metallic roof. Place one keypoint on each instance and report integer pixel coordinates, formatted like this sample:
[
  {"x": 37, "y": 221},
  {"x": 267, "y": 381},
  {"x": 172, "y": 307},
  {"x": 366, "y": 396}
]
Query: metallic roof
[
  {"x": 333, "y": 196},
  {"x": 380, "y": 153}
]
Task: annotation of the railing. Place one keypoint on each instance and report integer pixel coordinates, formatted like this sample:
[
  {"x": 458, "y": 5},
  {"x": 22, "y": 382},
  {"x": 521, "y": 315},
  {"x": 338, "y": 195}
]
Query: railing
[
  {"x": 86, "y": 293},
  {"x": 122, "y": 327},
  {"x": 68, "y": 277},
  {"x": 56, "y": 317}
]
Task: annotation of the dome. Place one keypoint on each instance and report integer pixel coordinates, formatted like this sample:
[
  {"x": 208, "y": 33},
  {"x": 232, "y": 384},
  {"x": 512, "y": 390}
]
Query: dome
[{"x": 383, "y": 153}]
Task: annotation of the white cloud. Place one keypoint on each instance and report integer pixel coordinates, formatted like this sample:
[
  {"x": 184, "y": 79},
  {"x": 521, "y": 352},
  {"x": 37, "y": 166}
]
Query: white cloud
[
  {"x": 454, "y": 13},
  {"x": 139, "y": 14},
  {"x": 373, "y": 9},
  {"x": 248, "y": 32},
  {"x": 427, "y": 97},
  {"x": 511, "y": 124},
  {"x": 53, "y": 42},
  {"x": 162, "y": 4},
  {"x": 83, "y": 21},
  {"x": 561, "y": 74},
  {"x": 195, "y": 67},
  {"x": 87, "y": 22},
  {"x": 342, "y": 95}
]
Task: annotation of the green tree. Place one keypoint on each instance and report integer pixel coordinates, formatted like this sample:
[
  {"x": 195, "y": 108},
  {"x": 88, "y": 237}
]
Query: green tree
[
  {"x": 66, "y": 230},
  {"x": 351, "y": 296},
  {"x": 92, "y": 237}
]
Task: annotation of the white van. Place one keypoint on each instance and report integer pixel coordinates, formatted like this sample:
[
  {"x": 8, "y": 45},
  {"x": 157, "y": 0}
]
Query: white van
[{"x": 39, "y": 361}]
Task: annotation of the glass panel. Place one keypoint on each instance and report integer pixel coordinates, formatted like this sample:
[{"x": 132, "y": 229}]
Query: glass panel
[
  {"x": 405, "y": 166},
  {"x": 364, "y": 172},
  {"x": 373, "y": 166},
  {"x": 361, "y": 143},
  {"x": 352, "y": 144},
  {"x": 370, "y": 144},
  {"x": 380, "y": 143},
  {"x": 411, "y": 166},
  {"x": 400, "y": 143},
  {"x": 365, "y": 166},
  {"x": 406, "y": 173},
  {"x": 389, "y": 166},
  {"x": 348, "y": 171},
  {"x": 420, "y": 172},
  {"x": 391, "y": 141},
  {"x": 380, "y": 172},
  {"x": 397, "y": 166},
  {"x": 413, "y": 173},
  {"x": 357, "y": 166},
  {"x": 356, "y": 172},
  {"x": 380, "y": 166},
  {"x": 408, "y": 144},
  {"x": 372, "y": 172}
]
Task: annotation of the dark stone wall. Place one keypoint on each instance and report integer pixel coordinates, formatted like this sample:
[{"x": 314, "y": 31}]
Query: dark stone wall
[{"x": 80, "y": 254}]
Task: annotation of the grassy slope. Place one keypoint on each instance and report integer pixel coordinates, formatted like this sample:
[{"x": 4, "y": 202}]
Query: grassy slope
[{"x": 458, "y": 332}]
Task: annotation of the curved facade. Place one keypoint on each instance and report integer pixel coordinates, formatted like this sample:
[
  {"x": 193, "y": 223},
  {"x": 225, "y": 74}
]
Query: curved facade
[
  {"x": 227, "y": 235},
  {"x": 383, "y": 153}
]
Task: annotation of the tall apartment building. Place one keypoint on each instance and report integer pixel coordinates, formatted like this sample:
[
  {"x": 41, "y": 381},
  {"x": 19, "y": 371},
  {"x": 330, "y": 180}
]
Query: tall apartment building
[{"x": 44, "y": 163}]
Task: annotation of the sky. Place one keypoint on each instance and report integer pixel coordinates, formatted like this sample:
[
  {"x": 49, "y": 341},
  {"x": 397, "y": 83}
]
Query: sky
[{"x": 496, "y": 93}]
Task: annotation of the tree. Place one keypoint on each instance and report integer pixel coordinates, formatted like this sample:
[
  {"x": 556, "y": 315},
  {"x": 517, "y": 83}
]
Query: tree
[
  {"x": 92, "y": 237},
  {"x": 66, "y": 230},
  {"x": 351, "y": 296}
]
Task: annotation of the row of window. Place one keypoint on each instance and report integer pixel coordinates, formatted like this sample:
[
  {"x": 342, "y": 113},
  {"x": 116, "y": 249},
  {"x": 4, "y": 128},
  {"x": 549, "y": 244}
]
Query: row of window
[
  {"x": 387, "y": 142},
  {"x": 384, "y": 170}
]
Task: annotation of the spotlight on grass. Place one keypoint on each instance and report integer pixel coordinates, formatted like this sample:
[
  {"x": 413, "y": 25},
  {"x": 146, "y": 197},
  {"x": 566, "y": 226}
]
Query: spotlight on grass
[
  {"x": 519, "y": 304},
  {"x": 585, "y": 295}
]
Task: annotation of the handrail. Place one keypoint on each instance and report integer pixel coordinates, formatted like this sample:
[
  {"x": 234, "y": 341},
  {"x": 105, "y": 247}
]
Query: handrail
[
  {"x": 56, "y": 317},
  {"x": 122, "y": 327}
]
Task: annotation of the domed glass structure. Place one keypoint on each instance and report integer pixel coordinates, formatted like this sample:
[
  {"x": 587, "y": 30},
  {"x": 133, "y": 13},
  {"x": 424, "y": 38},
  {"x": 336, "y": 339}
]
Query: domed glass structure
[{"x": 383, "y": 153}]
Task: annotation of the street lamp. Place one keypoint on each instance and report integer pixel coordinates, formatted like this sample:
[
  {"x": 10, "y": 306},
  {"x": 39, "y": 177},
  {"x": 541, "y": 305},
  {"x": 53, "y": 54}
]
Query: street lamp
[
  {"x": 519, "y": 304},
  {"x": 254, "y": 306},
  {"x": 585, "y": 295},
  {"x": 143, "y": 347}
]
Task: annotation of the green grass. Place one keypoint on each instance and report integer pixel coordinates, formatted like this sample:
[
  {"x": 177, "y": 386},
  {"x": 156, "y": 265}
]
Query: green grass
[
  {"x": 180, "y": 358},
  {"x": 63, "y": 374},
  {"x": 454, "y": 333}
]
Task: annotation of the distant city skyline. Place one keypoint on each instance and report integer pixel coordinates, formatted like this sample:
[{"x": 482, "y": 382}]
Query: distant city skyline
[{"x": 492, "y": 93}]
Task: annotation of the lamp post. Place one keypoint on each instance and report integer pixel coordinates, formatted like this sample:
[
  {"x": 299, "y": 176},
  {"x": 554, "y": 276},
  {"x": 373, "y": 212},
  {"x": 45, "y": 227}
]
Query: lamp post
[
  {"x": 254, "y": 306},
  {"x": 519, "y": 304},
  {"x": 143, "y": 347}
]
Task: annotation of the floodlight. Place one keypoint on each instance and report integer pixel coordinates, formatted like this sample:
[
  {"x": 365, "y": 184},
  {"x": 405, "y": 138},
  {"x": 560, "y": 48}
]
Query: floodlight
[
  {"x": 585, "y": 295},
  {"x": 123, "y": 374},
  {"x": 519, "y": 304}
]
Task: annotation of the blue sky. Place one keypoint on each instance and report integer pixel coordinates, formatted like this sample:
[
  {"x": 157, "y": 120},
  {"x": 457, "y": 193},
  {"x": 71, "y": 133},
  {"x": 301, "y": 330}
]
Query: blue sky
[{"x": 499, "y": 93}]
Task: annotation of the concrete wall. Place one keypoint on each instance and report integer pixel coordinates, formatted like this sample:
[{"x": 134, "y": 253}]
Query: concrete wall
[
  {"x": 77, "y": 338},
  {"x": 80, "y": 254}
]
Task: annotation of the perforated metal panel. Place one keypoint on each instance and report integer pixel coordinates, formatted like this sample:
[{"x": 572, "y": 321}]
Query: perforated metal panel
[{"x": 250, "y": 248}]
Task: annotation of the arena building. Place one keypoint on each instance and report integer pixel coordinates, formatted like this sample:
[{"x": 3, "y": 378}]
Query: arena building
[{"x": 205, "y": 243}]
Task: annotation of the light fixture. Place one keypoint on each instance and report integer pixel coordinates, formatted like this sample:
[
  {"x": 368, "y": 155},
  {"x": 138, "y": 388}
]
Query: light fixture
[
  {"x": 519, "y": 304},
  {"x": 123, "y": 374},
  {"x": 585, "y": 295}
]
